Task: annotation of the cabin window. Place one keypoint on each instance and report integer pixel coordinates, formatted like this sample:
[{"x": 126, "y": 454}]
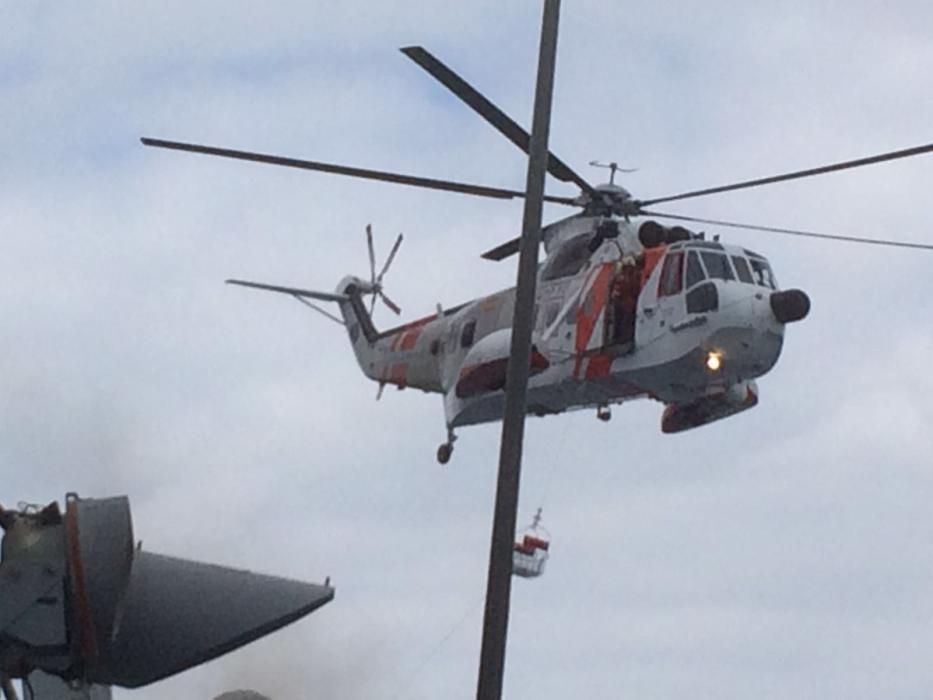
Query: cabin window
[
  {"x": 762, "y": 274},
  {"x": 695, "y": 272},
  {"x": 466, "y": 336},
  {"x": 435, "y": 346},
  {"x": 672, "y": 274},
  {"x": 567, "y": 260},
  {"x": 741, "y": 268},
  {"x": 702, "y": 299},
  {"x": 717, "y": 266}
]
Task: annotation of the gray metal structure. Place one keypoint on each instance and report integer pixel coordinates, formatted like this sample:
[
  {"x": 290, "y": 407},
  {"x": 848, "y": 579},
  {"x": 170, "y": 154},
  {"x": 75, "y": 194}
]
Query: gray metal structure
[
  {"x": 499, "y": 582},
  {"x": 81, "y": 601},
  {"x": 43, "y": 686}
]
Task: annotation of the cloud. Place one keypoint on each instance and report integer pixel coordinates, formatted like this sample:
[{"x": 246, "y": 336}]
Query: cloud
[{"x": 782, "y": 550}]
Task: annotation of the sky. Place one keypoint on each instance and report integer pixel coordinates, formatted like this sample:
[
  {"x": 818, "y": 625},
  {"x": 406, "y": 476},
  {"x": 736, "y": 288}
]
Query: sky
[{"x": 783, "y": 552}]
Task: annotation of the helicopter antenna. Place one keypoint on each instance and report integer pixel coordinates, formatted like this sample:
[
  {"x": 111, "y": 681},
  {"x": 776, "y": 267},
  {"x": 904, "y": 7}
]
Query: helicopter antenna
[{"x": 613, "y": 168}]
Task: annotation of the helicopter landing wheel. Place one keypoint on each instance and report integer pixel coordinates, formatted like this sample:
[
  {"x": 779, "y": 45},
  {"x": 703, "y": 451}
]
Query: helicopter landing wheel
[
  {"x": 447, "y": 449},
  {"x": 604, "y": 413},
  {"x": 444, "y": 452}
]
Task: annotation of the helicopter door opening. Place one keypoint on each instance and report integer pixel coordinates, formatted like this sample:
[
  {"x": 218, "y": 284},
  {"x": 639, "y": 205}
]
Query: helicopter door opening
[{"x": 622, "y": 310}]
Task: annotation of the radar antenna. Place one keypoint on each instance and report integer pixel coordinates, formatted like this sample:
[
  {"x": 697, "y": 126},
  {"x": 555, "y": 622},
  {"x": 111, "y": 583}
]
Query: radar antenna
[{"x": 613, "y": 168}]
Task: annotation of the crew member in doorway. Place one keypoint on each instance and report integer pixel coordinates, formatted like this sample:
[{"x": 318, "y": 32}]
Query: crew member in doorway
[{"x": 624, "y": 298}]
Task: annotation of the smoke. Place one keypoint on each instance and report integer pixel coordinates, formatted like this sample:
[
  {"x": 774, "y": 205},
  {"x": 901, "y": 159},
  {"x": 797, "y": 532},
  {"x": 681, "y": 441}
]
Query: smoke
[{"x": 312, "y": 666}]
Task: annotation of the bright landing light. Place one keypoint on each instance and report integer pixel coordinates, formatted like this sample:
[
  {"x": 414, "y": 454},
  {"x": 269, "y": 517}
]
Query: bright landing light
[{"x": 713, "y": 361}]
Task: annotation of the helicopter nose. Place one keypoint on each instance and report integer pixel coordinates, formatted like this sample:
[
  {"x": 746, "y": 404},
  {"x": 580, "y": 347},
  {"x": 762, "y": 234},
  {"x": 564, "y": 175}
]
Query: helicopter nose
[{"x": 790, "y": 305}]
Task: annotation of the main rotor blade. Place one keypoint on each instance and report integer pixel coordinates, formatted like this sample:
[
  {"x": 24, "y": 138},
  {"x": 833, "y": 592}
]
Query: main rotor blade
[
  {"x": 430, "y": 183},
  {"x": 388, "y": 302},
  {"x": 372, "y": 253},
  {"x": 488, "y": 111},
  {"x": 504, "y": 250},
  {"x": 892, "y": 155},
  {"x": 793, "y": 232}
]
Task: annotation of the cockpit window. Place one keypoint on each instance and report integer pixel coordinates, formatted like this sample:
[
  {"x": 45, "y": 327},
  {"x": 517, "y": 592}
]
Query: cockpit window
[
  {"x": 761, "y": 271},
  {"x": 569, "y": 259},
  {"x": 709, "y": 245},
  {"x": 672, "y": 274},
  {"x": 717, "y": 266},
  {"x": 695, "y": 272},
  {"x": 741, "y": 268}
]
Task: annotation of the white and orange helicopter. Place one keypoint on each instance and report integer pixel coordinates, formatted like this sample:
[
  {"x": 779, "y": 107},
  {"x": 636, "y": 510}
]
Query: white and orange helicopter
[{"x": 625, "y": 307}]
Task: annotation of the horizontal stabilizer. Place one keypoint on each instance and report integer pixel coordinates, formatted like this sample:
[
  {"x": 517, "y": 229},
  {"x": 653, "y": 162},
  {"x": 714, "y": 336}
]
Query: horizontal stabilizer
[{"x": 293, "y": 291}]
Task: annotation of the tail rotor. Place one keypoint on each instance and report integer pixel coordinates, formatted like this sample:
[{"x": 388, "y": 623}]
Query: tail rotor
[{"x": 376, "y": 280}]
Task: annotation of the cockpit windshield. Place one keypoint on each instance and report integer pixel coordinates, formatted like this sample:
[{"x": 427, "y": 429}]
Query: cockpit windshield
[
  {"x": 567, "y": 260},
  {"x": 717, "y": 265},
  {"x": 710, "y": 260},
  {"x": 761, "y": 272}
]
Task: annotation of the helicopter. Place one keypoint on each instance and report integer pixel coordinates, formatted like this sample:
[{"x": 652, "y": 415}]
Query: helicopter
[{"x": 626, "y": 307}]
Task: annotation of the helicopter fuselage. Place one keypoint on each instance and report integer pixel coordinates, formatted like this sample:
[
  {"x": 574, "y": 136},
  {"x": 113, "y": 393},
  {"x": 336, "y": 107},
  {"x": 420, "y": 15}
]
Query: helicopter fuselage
[{"x": 690, "y": 323}]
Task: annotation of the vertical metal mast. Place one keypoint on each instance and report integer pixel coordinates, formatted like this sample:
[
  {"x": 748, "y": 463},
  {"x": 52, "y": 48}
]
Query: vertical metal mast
[{"x": 499, "y": 583}]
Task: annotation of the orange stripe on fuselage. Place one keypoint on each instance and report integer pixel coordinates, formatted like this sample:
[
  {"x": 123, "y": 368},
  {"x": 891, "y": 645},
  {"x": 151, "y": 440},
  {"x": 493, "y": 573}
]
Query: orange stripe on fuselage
[
  {"x": 589, "y": 311},
  {"x": 407, "y": 336},
  {"x": 652, "y": 257},
  {"x": 398, "y": 374},
  {"x": 598, "y": 367}
]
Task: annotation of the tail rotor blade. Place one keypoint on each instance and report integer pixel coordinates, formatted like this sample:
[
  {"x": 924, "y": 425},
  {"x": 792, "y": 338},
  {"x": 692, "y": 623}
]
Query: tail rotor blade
[
  {"x": 395, "y": 247},
  {"x": 388, "y": 302}
]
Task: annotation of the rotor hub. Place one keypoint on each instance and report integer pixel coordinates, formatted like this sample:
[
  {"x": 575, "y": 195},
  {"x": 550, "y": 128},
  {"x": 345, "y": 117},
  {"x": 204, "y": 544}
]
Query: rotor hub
[{"x": 608, "y": 199}]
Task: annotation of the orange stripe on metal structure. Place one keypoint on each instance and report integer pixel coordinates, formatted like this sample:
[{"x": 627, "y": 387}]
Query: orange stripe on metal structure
[{"x": 87, "y": 637}]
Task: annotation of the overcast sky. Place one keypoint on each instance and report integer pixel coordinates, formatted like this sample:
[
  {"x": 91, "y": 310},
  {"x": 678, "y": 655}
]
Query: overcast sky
[{"x": 786, "y": 552}]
